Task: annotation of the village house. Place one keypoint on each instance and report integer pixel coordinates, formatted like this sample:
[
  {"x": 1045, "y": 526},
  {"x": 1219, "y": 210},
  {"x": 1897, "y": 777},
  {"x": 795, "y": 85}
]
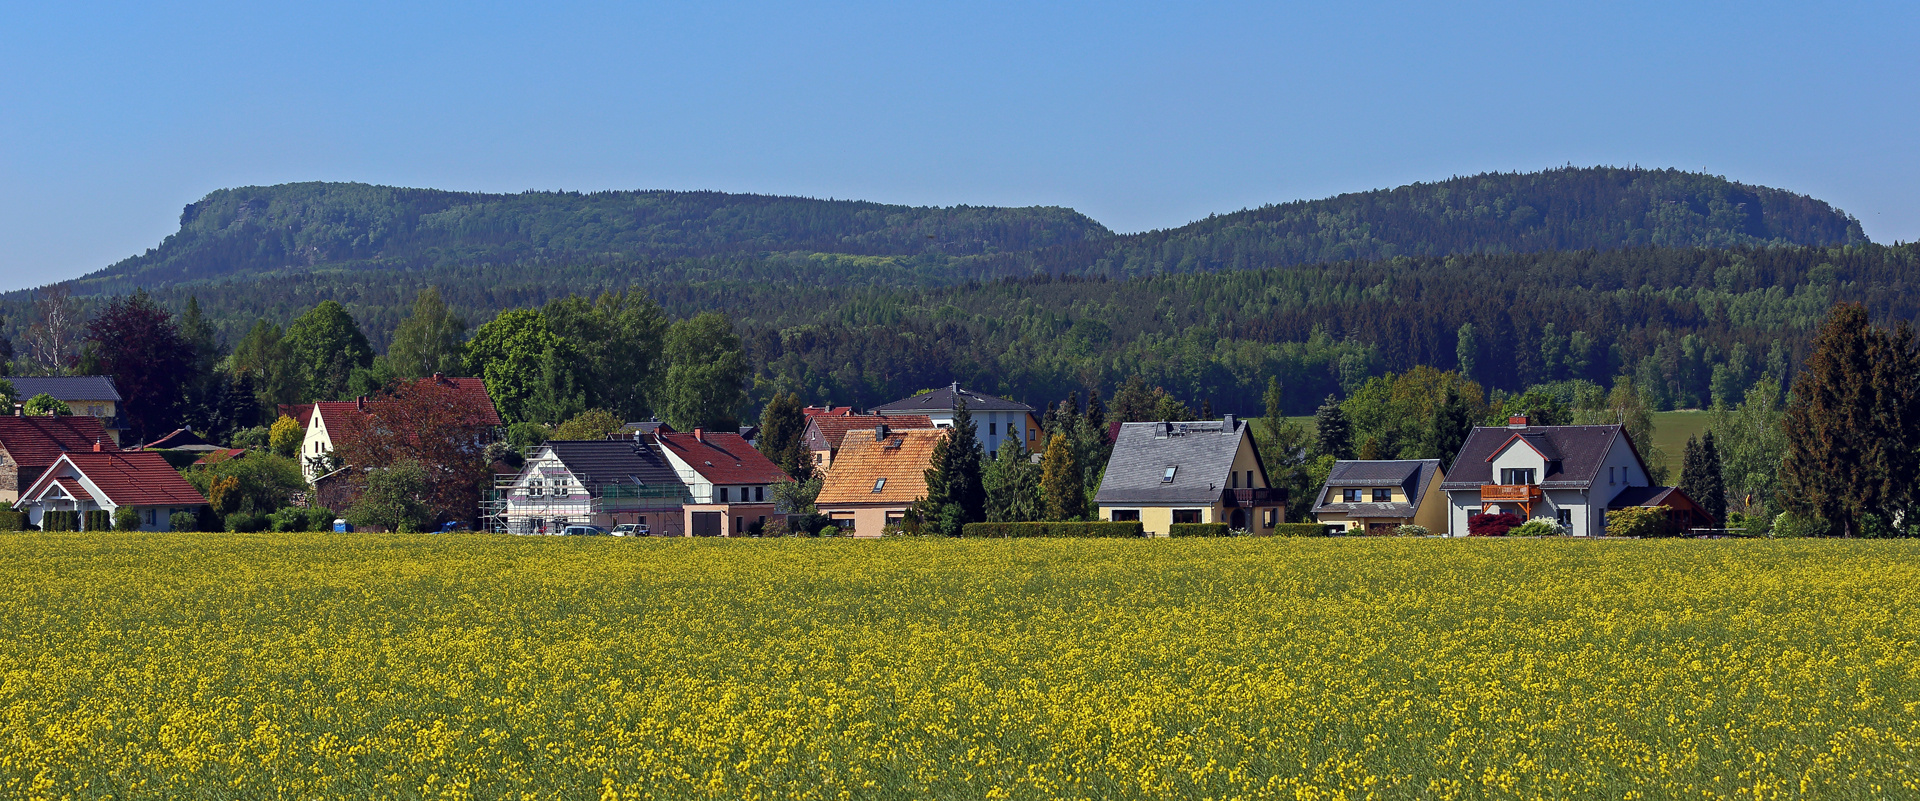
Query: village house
[
  {"x": 825, "y": 432},
  {"x": 877, "y": 476},
  {"x": 1570, "y": 474},
  {"x": 995, "y": 420},
  {"x": 729, "y": 482},
  {"x": 104, "y": 481},
  {"x": 603, "y": 483},
  {"x": 1205, "y": 471},
  {"x": 1378, "y": 496},
  {"x": 324, "y": 422},
  {"x": 87, "y": 395},
  {"x": 29, "y": 444}
]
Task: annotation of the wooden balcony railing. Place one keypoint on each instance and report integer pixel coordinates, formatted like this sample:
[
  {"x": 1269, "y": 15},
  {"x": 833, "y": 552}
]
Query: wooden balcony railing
[
  {"x": 1258, "y": 496},
  {"x": 1510, "y": 493}
]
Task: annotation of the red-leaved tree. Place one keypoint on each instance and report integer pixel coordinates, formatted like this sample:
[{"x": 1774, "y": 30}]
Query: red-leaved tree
[
  {"x": 435, "y": 424},
  {"x": 1493, "y": 525}
]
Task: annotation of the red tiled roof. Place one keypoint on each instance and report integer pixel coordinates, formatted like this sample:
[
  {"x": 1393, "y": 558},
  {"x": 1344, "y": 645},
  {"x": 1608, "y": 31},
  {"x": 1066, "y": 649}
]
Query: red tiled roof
[
  {"x": 216, "y": 457},
  {"x": 128, "y": 478},
  {"x": 472, "y": 388},
  {"x": 723, "y": 458},
  {"x": 476, "y": 389},
  {"x": 835, "y": 429},
  {"x": 827, "y": 411},
  {"x": 301, "y": 413},
  {"x": 38, "y": 440}
]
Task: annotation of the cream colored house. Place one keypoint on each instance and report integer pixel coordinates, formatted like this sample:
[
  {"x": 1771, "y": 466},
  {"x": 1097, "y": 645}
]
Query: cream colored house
[
  {"x": 88, "y": 395},
  {"x": 1378, "y": 496},
  {"x": 1205, "y": 471}
]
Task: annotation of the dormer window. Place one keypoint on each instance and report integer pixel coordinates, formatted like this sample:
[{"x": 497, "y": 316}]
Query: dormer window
[
  {"x": 1350, "y": 496},
  {"x": 1167, "y": 477},
  {"x": 1382, "y": 496}
]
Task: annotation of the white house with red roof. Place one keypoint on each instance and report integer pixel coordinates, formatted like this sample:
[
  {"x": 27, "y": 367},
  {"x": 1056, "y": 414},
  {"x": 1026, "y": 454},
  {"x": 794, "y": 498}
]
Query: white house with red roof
[
  {"x": 105, "y": 480},
  {"x": 323, "y": 421},
  {"x": 731, "y": 483}
]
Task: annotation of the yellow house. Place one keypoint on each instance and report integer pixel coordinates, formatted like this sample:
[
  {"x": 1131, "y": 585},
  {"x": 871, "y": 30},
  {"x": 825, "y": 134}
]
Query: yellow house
[
  {"x": 1204, "y": 471},
  {"x": 1381, "y": 495}
]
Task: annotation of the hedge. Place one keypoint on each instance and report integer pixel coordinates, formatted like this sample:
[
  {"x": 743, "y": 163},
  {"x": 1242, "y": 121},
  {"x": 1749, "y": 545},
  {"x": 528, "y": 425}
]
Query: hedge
[
  {"x": 11, "y": 520},
  {"x": 99, "y": 520},
  {"x": 1300, "y": 530},
  {"x": 1053, "y": 529},
  {"x": 1197, "y": 530},
  {"x": 59, "y": 521}
]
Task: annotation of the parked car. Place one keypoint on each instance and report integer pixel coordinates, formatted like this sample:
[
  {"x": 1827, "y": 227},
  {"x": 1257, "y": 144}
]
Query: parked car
[
  {"x": 630, "y": 530},
  {"x": 584, "y": 531}
]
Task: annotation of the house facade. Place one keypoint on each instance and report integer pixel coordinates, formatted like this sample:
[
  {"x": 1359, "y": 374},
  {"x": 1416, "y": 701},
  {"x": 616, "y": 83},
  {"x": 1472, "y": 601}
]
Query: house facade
[
  {"x": 1570, "y": 474},
  {"x": 87, "y": 395},
  {"x": 1378, "y": 496},
  {"x": 729, "y": 483},
  {"x": 1204, "y": 471},
  {"x": 105, "y": 481},
  {"x": 31, "y": 444},
  {"x": 996, "y": 420},
  {"x": 593, "y": 482},
  {"x": 877, "y": 476},
  {"x": 824, "y": 432}
]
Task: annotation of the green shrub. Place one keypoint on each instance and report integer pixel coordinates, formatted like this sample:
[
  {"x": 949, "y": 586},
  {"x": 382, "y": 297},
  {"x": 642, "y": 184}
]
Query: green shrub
[
  {"x": 97, "y": 520},
  {"x": 1538, "y": 527},
  {"x": 183, "y": 521},
  {"x": 59, "y": 521},
  {"x": 1062, "y": 529},
  {"x": 1789, "y": 524},
  {"x": 320, "y": 518},
  {"x": 126, "y": 518},
  {"x": 1197, "y": 530},
  {"x": 246, "y": 522},
  {"x": 1299, "y": 530},
  {"x": 11, "y": 520},
  {"x": 1411, "y": 530}
]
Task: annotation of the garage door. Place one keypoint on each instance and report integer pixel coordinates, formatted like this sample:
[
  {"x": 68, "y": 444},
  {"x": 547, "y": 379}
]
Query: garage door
[{"x": 706, "y": 524}]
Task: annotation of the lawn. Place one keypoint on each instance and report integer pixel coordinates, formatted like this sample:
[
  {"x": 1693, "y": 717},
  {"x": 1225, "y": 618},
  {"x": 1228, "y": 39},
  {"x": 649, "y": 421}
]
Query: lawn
[{"x": 297, "y": 666}]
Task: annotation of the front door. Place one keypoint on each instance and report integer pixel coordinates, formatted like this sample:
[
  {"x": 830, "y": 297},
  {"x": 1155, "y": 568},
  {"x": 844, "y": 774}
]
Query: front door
[{"x": 706, "y": 524}]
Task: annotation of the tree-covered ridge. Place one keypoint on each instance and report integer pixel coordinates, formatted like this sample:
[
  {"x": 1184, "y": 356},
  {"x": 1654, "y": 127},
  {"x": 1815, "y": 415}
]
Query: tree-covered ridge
[
  {"x": 308, "y": 225},
  {"x": 1597, "y": 208}
]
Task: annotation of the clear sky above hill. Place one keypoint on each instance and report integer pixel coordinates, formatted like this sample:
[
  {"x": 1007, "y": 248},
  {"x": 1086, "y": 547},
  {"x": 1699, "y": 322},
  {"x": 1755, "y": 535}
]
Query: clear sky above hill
[{"x": 114, "y": 116}]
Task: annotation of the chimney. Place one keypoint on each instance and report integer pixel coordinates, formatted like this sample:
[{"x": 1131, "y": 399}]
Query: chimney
[
  {"x": 1230, "y": 424},
  {"x": 360, "y": 403},
  {"x": 439, "y": 379},
  {"x": 96, "y": 446},
  {"x": 700, "y": 435},
  {"x": 1517, "y": 421},
  {"x": 879, "y": 432}
]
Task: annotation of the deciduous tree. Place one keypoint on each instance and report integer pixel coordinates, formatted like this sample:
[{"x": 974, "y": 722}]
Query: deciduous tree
[
  {"x": 325, "y": 346},
  {"x": 430, "y": 340},
  {"x": 138, "y": 344},
  {"x": 434, "y": 425},
  {"x": 706, "y": 374}
]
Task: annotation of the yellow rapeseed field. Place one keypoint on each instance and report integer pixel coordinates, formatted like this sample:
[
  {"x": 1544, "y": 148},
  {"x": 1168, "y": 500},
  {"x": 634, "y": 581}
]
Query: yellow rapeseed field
[{"x": 303, "y": 666}]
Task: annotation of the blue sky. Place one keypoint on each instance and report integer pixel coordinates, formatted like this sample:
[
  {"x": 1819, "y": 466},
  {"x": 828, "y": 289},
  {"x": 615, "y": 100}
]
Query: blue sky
[{"x": 114, "y": 116}]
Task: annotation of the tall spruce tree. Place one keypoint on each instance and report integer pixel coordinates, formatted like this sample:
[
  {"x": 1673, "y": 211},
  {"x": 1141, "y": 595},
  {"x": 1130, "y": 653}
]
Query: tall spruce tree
[
  {"x": 956, "y": 486},
  {"x": 1452, "y": 423},
  {"x": 1849, "y": 428},
  {"x": 1693, "y": 472},
  {"x": 1012, "y": 483},
  {"x": 1714, "y": 491},
  {"x": 1333, "y": 436}
]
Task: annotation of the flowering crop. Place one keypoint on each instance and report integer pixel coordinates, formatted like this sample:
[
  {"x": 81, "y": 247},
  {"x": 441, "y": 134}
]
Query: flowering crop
[{"x": 300, "y": 666}]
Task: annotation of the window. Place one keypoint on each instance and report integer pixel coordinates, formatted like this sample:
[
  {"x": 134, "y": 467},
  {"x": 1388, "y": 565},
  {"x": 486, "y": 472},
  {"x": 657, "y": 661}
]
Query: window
[
  {"x": 1269, "y": 518},
  {"x": 1382, "y": 496},
  {"x": 879, "y": 484},
  {"x": 1167, "y": 477},
  {"x": 1516, "y": 475},
  {"x": 993, "y": 429},
  {"x": 1249, "y": 479},
  {"x": 1186, "y": 515},
  {"x": 1566, "y": 519},
  {"x": 1233, "y": 480},
  {"x": 1350, "y": 496},
  {"x": 739, "y": 525},
  {"x": 723, "y": 494},
  {"x": 1029, "y": 434},
  {"x": 1126, "y": 515},
  {"x": 536, "y": 488},
  {"x": 759, "y": 494}
]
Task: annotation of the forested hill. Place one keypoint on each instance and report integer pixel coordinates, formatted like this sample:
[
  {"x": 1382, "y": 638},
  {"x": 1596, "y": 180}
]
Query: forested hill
[
  {"x": 1576, "y": 208},
  {"x": 271, "y": 229}
]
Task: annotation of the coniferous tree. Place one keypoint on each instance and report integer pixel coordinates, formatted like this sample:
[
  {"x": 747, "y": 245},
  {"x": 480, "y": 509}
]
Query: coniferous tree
[
  {"x": 1452, "y": 423},
  {"x": 1831, "y": 427},
  {"x": 1693, "y": 472},
  {"x": 1332, "y": 435},
  {"x": 1715, "y": 488},
  {"x": 956, "y": 486},
  {"x": 1013, "y": 485},
  {"x": 1135, "y": 401},
  {"x": 1060, "y": 480}
]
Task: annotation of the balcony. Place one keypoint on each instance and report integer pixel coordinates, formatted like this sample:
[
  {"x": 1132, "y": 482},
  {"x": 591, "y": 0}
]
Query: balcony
[
  {"x": 1249, "y": 498},
  {"x": 1511, "y": 493}
]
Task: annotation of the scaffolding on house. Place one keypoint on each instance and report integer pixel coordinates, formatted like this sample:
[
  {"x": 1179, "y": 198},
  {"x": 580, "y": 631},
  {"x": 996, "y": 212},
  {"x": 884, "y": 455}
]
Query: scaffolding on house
[{"x": 511, "y": 509}]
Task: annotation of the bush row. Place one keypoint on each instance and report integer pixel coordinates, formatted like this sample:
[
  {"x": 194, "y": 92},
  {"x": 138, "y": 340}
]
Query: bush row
[
  {"x": 1052, "y": 529},
  {"x": 1300, "y": 530},
  {"x": 1198, "y": 530}
]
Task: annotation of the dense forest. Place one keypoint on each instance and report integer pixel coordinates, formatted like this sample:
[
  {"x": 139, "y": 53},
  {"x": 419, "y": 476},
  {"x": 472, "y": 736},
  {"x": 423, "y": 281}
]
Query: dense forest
[{"x": 1693, "y": 285}]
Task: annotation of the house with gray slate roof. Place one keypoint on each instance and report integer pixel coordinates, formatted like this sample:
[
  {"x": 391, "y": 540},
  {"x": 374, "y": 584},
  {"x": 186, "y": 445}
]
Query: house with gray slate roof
[
  {"x": 995, "y": 419},
  {"x": 1203, "y": 471},
  {"x": 90, "y": 395},
  {"x": 1572, "y": 474},
  {"x": 1377, "y": 496}
]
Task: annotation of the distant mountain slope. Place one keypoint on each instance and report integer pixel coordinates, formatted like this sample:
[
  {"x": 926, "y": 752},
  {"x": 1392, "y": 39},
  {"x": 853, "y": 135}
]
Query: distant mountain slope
[
  {"x": 1583, "y": 208},
  {"x": 251, "y": 230}
]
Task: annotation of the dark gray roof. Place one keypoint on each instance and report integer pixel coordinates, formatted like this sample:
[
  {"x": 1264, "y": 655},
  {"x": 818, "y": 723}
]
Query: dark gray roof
[
  {"x": 597, "y": 463},
  {"x": 68, "y": 387},
  {"x": 943, "y": 400},
  {"x": 1580, "y": 450},
  {"x": 649, "y": 426},
  {"x": 1202, "y": 451},
  {"x": 1411, "y": 475},
  {"x": 1640, "y": 496}
]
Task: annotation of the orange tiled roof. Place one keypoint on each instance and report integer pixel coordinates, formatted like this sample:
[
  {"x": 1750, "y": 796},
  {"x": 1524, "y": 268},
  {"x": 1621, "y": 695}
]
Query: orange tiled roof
[{"x": 902, "y": 459}]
